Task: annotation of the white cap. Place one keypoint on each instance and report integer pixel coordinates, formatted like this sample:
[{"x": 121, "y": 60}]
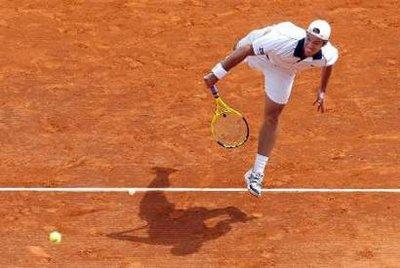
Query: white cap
[{"x": 320, "y": 29}]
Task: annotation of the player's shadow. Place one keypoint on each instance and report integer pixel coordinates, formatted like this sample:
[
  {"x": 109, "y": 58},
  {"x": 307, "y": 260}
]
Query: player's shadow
[{"x": 183, "y": 229}]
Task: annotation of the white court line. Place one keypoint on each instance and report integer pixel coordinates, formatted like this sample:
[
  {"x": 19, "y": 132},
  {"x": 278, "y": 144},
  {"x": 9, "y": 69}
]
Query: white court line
[{"x": 126, "y": 189}]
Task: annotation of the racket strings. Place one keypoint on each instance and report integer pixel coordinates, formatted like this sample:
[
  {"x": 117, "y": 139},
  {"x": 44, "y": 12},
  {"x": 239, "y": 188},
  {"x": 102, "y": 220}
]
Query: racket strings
[{"x": 230, "y": 129}]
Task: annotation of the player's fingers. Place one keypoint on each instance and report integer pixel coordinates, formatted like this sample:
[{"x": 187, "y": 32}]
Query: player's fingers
[
  {"x": 322, "y": 108},
  {"x": 209, "y": 80}
]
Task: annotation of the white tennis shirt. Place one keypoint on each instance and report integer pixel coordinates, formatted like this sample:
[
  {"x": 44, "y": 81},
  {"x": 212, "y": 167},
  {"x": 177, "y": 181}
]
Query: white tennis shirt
[{"x": 283, "y": 45}]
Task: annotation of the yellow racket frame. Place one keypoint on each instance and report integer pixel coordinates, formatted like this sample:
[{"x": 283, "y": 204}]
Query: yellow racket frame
[{"x": 221, "y": 110}]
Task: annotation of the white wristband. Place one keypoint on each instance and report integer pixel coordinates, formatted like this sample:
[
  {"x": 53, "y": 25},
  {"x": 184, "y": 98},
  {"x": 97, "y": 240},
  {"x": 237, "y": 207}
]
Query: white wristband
[
  {"x": 219, "y": 71},
  {"x": 321, "y": 95}
]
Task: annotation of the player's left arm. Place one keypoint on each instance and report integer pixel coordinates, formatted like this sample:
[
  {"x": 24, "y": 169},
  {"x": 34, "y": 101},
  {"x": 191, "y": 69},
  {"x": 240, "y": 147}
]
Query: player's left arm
[
  {"x": 325, "y": 75},
  {"x": 331, "y": 56}
]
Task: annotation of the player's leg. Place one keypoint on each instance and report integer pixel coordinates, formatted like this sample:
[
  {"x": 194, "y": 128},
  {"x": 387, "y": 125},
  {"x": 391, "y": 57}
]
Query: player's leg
[
  {"x": 268, "y": 131},
  {"x": 278, "y": 87},
  {"x": 266, "y": 141}
]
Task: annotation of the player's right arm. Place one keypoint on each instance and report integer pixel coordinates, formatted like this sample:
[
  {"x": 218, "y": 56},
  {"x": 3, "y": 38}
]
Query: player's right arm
[{"x": 222, "y": 68}]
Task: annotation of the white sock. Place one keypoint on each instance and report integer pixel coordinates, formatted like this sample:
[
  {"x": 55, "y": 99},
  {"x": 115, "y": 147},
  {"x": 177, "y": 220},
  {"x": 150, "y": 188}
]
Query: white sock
[{"x": 260, "y": 163}]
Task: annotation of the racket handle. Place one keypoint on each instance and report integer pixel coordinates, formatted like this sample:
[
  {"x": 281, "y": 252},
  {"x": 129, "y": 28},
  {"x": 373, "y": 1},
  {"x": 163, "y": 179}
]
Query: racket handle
[{"x": 214, "y": 91}]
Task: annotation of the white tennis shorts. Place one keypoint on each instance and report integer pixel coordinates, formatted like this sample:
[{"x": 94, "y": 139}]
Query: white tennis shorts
[{"x": 278, "y": 82}]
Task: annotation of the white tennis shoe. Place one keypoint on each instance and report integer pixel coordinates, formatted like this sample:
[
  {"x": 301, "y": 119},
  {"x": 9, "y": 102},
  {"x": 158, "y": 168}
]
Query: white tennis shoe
[{"x": 254, "y": 182}]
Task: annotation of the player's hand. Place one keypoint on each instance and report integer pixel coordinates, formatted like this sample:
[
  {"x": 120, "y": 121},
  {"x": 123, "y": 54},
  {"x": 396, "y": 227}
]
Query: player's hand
[
  {"x": 210, "y": 80},
  {"x": 320, "y": 101}
]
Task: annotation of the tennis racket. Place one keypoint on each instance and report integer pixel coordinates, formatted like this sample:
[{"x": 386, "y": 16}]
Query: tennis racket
[{"x": 229, "y": 128}]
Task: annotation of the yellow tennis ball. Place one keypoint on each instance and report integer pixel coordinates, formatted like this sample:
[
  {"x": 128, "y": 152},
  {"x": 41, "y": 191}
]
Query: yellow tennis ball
[{"x": 55, "y": 237}]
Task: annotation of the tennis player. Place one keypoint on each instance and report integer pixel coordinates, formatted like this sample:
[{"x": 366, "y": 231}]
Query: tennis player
[{"x": 279, "y": 51}]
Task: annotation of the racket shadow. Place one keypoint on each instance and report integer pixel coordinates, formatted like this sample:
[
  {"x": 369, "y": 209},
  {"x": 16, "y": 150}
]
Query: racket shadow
[{"x": 185, "y": 230}]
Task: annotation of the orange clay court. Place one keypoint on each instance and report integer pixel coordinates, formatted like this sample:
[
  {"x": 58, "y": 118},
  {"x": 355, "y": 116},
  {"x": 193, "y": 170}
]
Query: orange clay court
[{"x": 105, "y": 93}]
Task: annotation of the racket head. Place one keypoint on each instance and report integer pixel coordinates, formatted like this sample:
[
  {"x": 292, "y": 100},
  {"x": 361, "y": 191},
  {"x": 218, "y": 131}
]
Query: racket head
[{"x": 229, "y": 127}]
